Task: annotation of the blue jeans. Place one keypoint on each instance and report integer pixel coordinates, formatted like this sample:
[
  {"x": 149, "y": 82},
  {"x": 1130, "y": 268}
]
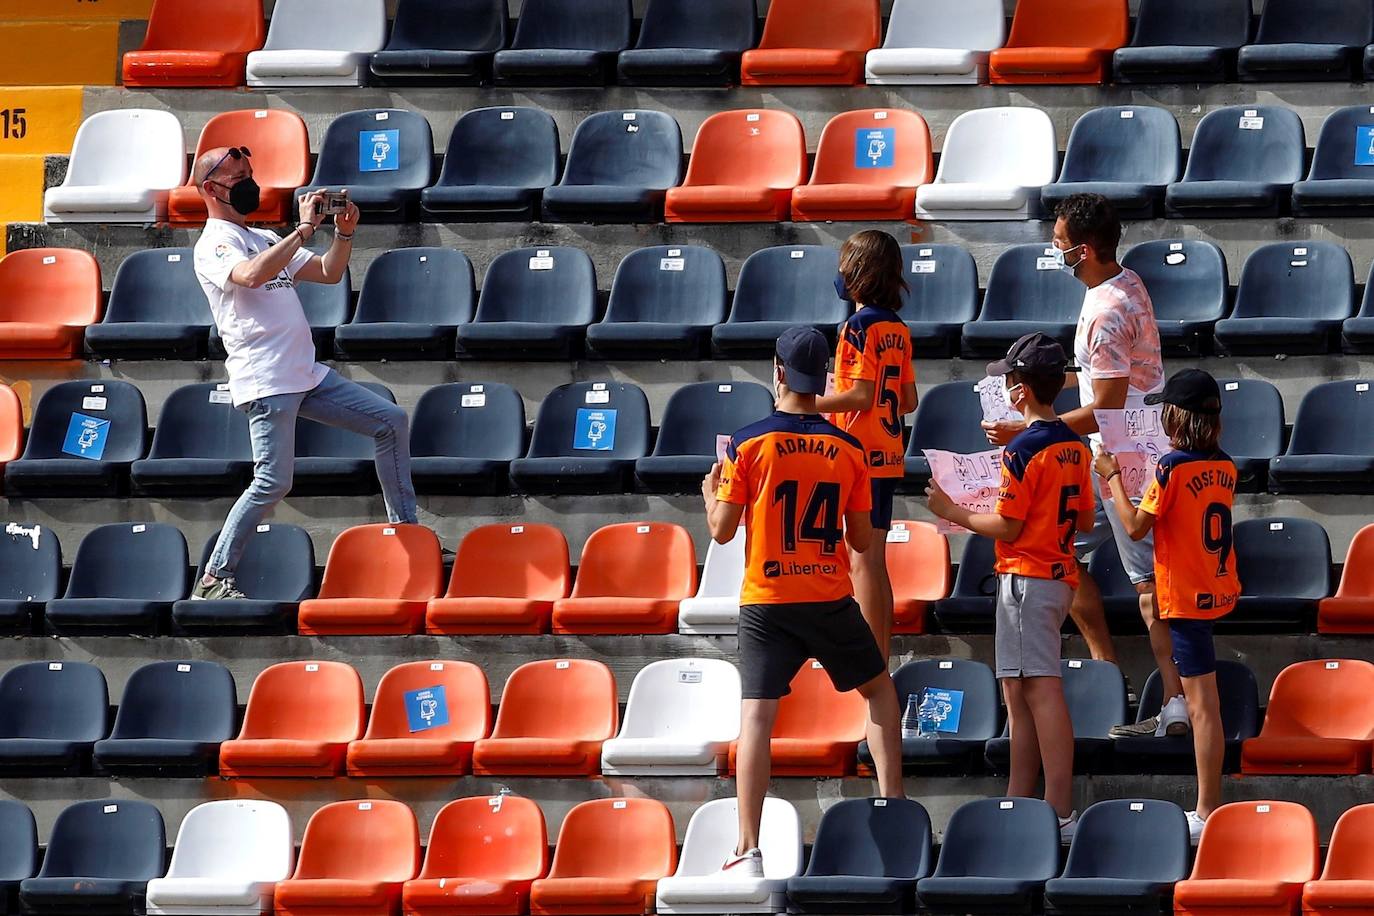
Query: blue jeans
[{"x": 336, "y": 401}]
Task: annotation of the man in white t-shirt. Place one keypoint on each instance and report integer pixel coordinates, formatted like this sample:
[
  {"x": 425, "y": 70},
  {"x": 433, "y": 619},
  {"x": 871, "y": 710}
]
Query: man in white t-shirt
[{"x": 250, "y": 277}]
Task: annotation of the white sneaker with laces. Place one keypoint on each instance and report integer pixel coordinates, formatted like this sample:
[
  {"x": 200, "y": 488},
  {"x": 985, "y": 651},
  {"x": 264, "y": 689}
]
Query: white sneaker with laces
[
  {"x": 748, "y": 865},
  {"x": 1067, "y": 826},
  {"x": 1195, "y": 825},
  {"x": 1173, "y": 718}
]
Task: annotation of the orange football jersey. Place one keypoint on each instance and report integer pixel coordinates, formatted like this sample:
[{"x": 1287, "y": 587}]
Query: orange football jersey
[
  {"x": 875, "y": 346},
  {"x": 1046, "y": 483}
]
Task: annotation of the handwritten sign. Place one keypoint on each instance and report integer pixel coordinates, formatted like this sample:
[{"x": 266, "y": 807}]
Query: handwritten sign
[
  {"x": 1135, "y": 435},
  {"x": 972, "y": 481},
  {"x": 992, "y": 392}
]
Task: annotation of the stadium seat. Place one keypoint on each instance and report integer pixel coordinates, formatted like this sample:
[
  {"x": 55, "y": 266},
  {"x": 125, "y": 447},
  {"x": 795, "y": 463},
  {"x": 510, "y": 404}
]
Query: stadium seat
[
  {"x": 100, "y": 856},
  {"x": 1188, "y": 287},
  {"x": 868, "y": 855},
  {"x": 681, "y": 716},
  {"x": 1242, "y": 163},
  {"x": 610, "y": 856},
  {"x": 1254, "y": 859},
  {"x": 553, "y": 718},
  {"x": 47, "y": 298},
  {"x": 630, "y": 579},
  {"x": 124, "y": 580},
  {"x": 743, "y": 169},
  {"x": 1253, "y": 432},
  {"x": 996, "y": 856},
  {"x": 1054, "y": 41},
  {"x": 299, "y": 721},
  {"x": 1331, "y": 449},
  {"x": 1357, "y": 334},
  {"x": 1340, "y": 181},
  {"x": 714, "y": 609},
  {"x": 619, "y": 167},
  {"x": 83, "y": 437},
  {"x": 200, "y": 447},
  {"x": 377, "y": 581},
  {"x": 941, "y": 297},
  {"x": 868, "y": 165},
  {"x": 383, "y": 158},
  {"x": 439, "y": 42},
  {"x": 692, "y": 44},
  {"x": 1025, "y": 293},
  {"x": 1179, "y": 41},
  {"x": 276, "y": 572},
  {"x": 993, "y": 165},
  {"x": 1285, "y": 565},
  {"x": 961, "y": 747},
  {"x": 1105, "y": 871},
  {"x": 157, "y": 309},
  {"x": 929, "y": 42},
  {"x": 19, "y": 842},
  {"x": 173, "y": 716},
  {"x": 280, "y": 160},
  {"x": 808, "y": 45},
  {"x": 690, "y": 431},
  {"x": 496, "y": 166},
  {"x": 326, "y": 307},
  {"x": 425, "y": 718},
  {"x": 581, "y": 444},
  {"x": 1317, "y": 722},
  {"x": 123, "y": 164},
  {"x": 228, "y": 857},
  {"x": 563, "y": 43},
  {"x": 505, "y": 580},
  {"x": 355, "y": 857},
  {"x": 1308, "y": 40},
  {"x": 1173, "y": 754},
  {"x": 1096, "y": 695},
  {"x": 664, "y": 302},
  {"x": 411, "y": 304},
  {"x": 482, "y": 856},
  {"x": 1120, "y": 600},
  {"x": 697, "y": 887},
  {"x": 918, "y": 558},
  {"x": 333, "y": 461},
  {"x": 463, "y": 437},
  {"x": 1291, "y": 299},
  {"x": 536, "y": 303},
  {"x": 1351, "y": 609},
  {"x": 11, "y": 425},
  {"x": 318, "y": 43},
  {"x": 1346, "y": 883},
  {"x": 30, "y": 572},
  {"x": 51, "y": 715},
  {"x": 970, "y": 607},
  {"x": 817, "y": 729},
  {"x": 183, "y": 47},
  {"x": 779, "y": 288},
  {"x": 1128, "y": 154}
]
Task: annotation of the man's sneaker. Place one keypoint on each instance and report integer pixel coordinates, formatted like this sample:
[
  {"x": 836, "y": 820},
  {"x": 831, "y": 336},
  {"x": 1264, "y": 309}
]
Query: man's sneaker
[
  {"x": 1173, "y": 718},
  {"x": 1067, "y": 826},
  {"x": 749, "y": 865},
  {"x": 1146, "y": 729},
  {"x": 1195, "y": 825},
  {"x": 218, "y": 590}
]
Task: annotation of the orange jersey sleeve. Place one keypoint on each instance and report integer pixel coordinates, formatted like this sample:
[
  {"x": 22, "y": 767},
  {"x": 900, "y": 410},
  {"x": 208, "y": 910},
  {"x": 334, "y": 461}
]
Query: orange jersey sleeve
[
  {"x": 1045, "y": 484},
  {"x": 875, "y": 346},
  {"x": 1191, "y": 499}
]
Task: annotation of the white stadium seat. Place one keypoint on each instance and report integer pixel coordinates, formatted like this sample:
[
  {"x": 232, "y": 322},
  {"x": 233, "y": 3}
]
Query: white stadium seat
[
  {"x": 680, "y": 719},
  {"x": 123, "y": 166},
  {"x": 994, "y": 163},
  {"x": 318, "y": 43},
  {"x": 228, "y": 857},
  {"x": 933, "y": 41},
  {"x": 715, "y": 609},
  {"x": 698, "y": 887}
]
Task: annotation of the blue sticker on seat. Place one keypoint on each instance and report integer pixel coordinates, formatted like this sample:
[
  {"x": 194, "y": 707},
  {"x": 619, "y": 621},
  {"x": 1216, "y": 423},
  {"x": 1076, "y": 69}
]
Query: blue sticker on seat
[
  {"x": 873, "y": 149},
  {"x": 86, "y": 436},
  {"x": 595, "y": 430},
  {"x": 1364, "y": 144},
  {"x": 426, "y": 709},
  {"x": 379, "y": 150},
  {"x": 949, "y": 705}
]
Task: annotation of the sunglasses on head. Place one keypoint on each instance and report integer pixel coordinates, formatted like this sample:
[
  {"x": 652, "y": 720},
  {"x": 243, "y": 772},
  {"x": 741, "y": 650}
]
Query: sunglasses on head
[{"x": 235, "y": 152}]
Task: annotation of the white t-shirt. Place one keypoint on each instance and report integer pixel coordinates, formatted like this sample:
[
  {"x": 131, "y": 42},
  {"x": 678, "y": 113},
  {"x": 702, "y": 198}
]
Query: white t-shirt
[
  {"x": 265, "y": 331},
  {"x": 1118, "y": 337}
]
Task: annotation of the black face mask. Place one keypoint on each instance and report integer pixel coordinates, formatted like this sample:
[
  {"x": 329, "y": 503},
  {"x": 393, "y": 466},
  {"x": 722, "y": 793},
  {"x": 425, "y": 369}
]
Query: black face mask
[
  {"x": 244, "y": 196},
  {"x": 841, "y": 289}
]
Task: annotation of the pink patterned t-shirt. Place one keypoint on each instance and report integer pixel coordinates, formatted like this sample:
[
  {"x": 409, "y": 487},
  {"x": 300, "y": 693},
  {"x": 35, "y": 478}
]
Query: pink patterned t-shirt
[{"x": 1117, "y": 337}]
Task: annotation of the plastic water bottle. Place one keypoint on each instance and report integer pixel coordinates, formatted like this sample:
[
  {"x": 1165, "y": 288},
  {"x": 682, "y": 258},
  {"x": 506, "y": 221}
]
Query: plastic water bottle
[
  {"x": 925, "y": 717},
  {"x": 911, "y": 717}
]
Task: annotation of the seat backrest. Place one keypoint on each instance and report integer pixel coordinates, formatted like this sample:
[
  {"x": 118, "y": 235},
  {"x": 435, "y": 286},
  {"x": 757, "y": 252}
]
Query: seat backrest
[
  {"x": 374, "y": 840},
  {"x": 1109, "y": 572},
  {"x": 1026, "y": 286},
  {"x": 1352, "y": 846},
  {"x": 1110, "y": 835},
  {"x": 1002, "y": 146},
  {"x": 195, "y": 423},
  {"x": 1129, "y": 143},
  {"x": 376, "y": 148},
  {"x": 1258, "y": 841},
  {"x": 1096, "y": 695},
  {"x": 237, "y": 26},
  {"x": 631, "y": 148},
  {"x": 789, "y": 283},
  {"x": 1286, "y": 557},
  {"x": 816, "y": 710},
  {"x": 1333, "y": 22},
  {"x": 30, "y": 563},
  {"x": 497, "y": 837},
  {"x": 637, "y": 560},
  {"x": 278, "y": 563},
  {"x": 235, "y": 839},
  {"x": 449, "y": 25},
  {"x": 395, "y": 561},
  {"x": 918, "y": 557},
  {"x": 1321, "y": 699},
  {"x": 877, "y": 146},
  {"x": 1239, "y": 692},
  {"x": 309, "y": 701},
  {"x": 589, "y": 25},
  {"x": 1265, "y": 143},
  {"x": 419, "y": 286},
  {"x": 11, "y": 424},
  {"x": 52, "y": 286},
  {"x": 948, "y": 418},
  {"x": 104, "y": 838},
  {"x": 1219, "y": 24},
  {"x": 722, "y": 574},
  {"x": 698, "y": 414},
  {"x": 62, "y": 701},
  {"x": 277, "y": 137},
  {"x": 540, "y": 285},
  {"x": 1001, "y": 838},
  {"x": 1357, "y": 575},
  {"x": 1334, "y": 419},
  {"x": 1309, "y": 280},
  {"x": 1186, "y": 278},
  {"x": 669, "y": 284},
  {"x": 571, "y": 699},
  {"x": 327, "y": 305},
  {"x": 18, "y": 841},
  {"x": 971, "y": 681},
  {"x": 722, "y": 25},
  {"x": 1253, "y": 410},
  {"x": 872, "y": 837},
  {"x": 128, "y": 148},
  {"x": 714, "y": 830},
  {"x": 146, "y": 561},
  {"x": 1069, "y": 24},
  {"x": 431, "y": 701},
  {"x": 754, "y": 148},
  {"x": 978, "y": 25},
  {"x": 327, "y": 25},
  {"x": 846, "y": 25},
  {"x": 469, "y": 420},
  {"x": 974, "y": 577},
  {"x": 320, "y": 440},
  {"x": 1340, "y": 152},
  {"x": 690, "y": 699},
  {"x": 158, "y": 284},
  {"x": 529, "y": 560},
  {"x": 67, "y": 406},
  {"x": 942, "y": 283},
  {"x": 624, "y": 839},
  {"x": 592, "y": 420},
  {"x": 511, "y": 147},
  {"x": 183, "y": 701}
]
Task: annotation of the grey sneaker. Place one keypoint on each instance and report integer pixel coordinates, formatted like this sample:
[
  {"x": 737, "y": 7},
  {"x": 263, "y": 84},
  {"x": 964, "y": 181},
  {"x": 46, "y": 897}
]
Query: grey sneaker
[
  {"x": 1146, "y": 729},
  {"x": 219, "y": 590}
]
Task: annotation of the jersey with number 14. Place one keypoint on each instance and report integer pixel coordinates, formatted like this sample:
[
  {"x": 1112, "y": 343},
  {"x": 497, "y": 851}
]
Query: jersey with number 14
[
  {"x": 875, "y": 346},
  {"x": 1046, "y": 484},
  {"x": 1195, "y": 565}
]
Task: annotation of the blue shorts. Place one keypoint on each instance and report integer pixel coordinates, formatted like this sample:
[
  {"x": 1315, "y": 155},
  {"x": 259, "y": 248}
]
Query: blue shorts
[
  {"x": 1194, "y": 652},
  {"x": 884, "y": 489}
]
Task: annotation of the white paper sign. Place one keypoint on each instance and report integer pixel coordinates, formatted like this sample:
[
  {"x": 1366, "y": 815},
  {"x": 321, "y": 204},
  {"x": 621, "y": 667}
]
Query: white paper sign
[
  {"x": 722, "y": 444},
  {"x": 972, "y": 481},
  {"x": 1136, "y": 437},
  {"x": 992, "y": 394}
]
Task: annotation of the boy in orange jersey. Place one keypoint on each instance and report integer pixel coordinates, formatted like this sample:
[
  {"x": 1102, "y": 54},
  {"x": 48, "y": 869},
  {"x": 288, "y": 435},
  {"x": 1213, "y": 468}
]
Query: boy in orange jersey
[
  {"x": 1188, "y": 505},
  {"x": 1046, "y": 498},
  {"x": 801, "y": 487}
]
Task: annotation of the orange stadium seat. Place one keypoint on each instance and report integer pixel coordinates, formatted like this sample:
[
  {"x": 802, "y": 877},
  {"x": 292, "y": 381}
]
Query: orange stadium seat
[
  {"x": 482, "y": 857},
  {"x": 186, "y": 46},
  {"x": 11, "y": 426},
  {"x": 280, "y": 148},
  {"x": 813, "y": 43},
  {"x": 1351, "y": 609},
  {"x": 631, "y": 578},
  {"x": 377, "y": 582},
  {"x": 818, "y": 729},
  {"x": 553, "y": 718},
  {"x": 1347, "y": 881},
  {"x": 299, "y": 721},
  {"x": 1060, "y": 41},
  {"x": 1319, "y": 721},
  {"x": 1253, "y": 860},
  {"x": 610, "y": 854},
  {"x": 868, "y": 165},
  {"x": 743, "y": 168},
  {"x": 47, "y": 297},
  {"x": 505, "y": 580},
  {"x": 918, "y": 564},
  {"x": 355, "y": 857},
  {"x": 425, "y": 718}
]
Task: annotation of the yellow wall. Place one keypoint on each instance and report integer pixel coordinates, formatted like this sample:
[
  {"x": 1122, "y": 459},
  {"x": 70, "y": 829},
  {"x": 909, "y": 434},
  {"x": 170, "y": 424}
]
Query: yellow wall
[
  {"x": 84, "y": 10},
  {"x": 59, "y": 53}
]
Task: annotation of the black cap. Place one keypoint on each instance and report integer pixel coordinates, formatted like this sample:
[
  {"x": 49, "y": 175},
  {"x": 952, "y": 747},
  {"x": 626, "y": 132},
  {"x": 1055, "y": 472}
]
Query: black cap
[
  {"x": 1034, "y": 353},
  {"x": 1191, "y": 389},
  {"x": 804, "y": 355}
]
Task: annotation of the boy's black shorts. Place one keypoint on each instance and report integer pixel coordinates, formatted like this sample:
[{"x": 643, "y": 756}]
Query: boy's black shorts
[{"x": 775, "y": 640}]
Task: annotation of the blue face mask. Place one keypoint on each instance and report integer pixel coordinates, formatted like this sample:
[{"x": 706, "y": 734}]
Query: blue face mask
[
  {"x": 1059, "y": 258},
  {"x": 841, "y": 289}
]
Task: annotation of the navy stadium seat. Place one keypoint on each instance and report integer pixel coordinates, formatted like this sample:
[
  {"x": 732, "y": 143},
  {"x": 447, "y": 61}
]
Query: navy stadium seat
[
  {"x": 1307, "y": 40},
  {"x": 156, "y": 309},
  {"x": 172, "y": 717},
  {"x": 536, "y": 303},
  {"x": 996, "y": 855},
  {"x": 1120, "y": 600},
  {"x": 586, "y": 439},
  {"x": 1025, "y": 293},
  {"x": 496, "y": 166},
  {"x": 690, "y": 44},
  {"x": 695, "y": 417},
  {"x": 1341, "y": 180},
  {"x": 326, "y": 306},
  {"x": 1292, "y": 299},
  {"x": 664, "y": 301},
  {"x": 1183, "y": 41},
  {"x": 1173, "y": 754},
  {"x": 1187, "y": 281},
  {"x": 276, "y": 572},
  {"x": 100, "y": 857},
  {"x": 959, "y": 749},
  {"x": 51, "y": 715},
  {"x": 868, "y": 855},
  {"x": 18, "y": 851},
  {"x": 1331, "y": 449},
  {"x": 383, "y": 157},
  {"x": 1128, "y": 154},
  {"x": 123, "y": 579},
  {"x": 1284, "y": 566},
  {"x": 69, "y": 451},
  {"x": 30, "y": 574},
  {"x": 942, "y": 295},
  {"x": 1243, "y": 162},
  {"x": 565, "y": 43},
  {"x": 947, "y": 418},
  {"x": 1252, "y": 431},
  {"x": 464, "y": 436},
  {"x": 1106, "y": 871},
  {"x": 1357, "y": 334},
  {"x": 1096, "y": 694},
  {"x": 200, "y": 447},
  {"x": 620, "y": 165},
  {"x": 334, "y": 461},
  {"x": 445, "y": 42},
  {"x": 971, "y": 605},
  {"x": 412, "y": 301},
  {"x": 778, "y": 288}
]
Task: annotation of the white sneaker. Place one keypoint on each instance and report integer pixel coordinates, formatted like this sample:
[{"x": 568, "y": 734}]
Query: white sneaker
[
  {"x": 1173, "y": 718},
  {"x": 1195, "y": 825},
  {"x": 1067, "y": 826},
  {"x": 748, "y": 865}
]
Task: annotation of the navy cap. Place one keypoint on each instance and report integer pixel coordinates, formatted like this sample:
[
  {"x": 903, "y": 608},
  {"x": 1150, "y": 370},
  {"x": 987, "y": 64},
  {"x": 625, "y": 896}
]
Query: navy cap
[
  {"x": 1032, "y": 354},
  {"x": 1191, "y": 389},
  {"x": 804, "y": 355}
]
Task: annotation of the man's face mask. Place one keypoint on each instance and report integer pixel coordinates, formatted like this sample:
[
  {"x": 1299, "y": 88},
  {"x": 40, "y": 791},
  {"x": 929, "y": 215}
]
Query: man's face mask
[
  {"x": 244, "y": 195},
  {"x": 1060, "y": 258}
]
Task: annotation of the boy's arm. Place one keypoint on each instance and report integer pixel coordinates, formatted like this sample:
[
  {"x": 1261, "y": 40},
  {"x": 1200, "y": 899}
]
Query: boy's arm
[
  {"x": 860, "y": 397},
  {"x": 992, "y": 525},
  {"x": 908, "y": 401},
  {"x": 1136, "y": 521},
  {"x": 722, "y": 518},
  {"x": 858, "y": 530}
]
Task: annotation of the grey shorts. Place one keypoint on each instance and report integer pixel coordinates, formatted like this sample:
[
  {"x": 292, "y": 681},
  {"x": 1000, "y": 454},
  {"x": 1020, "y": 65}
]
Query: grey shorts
[
  {"x": 1029, "y": 615},
  {"x": 1137, "y": 557}
]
